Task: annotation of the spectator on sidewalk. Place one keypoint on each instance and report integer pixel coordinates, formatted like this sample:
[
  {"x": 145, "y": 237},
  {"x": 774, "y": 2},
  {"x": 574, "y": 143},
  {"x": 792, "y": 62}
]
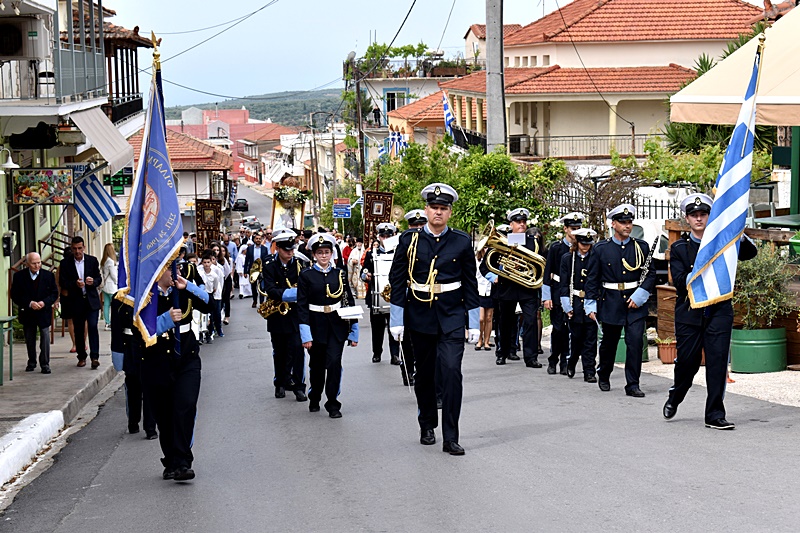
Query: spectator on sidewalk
[
  {"x": 109, "y": 265},
  {"x": 79, "y": 278},
  {"x": 245, "y": 291},
  {"x": 34, "y": 291}
]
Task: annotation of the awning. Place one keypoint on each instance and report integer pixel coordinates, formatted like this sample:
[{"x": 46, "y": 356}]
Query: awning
[
  {"x": 716, "y": 97},
  {"x": 105, "y": 137}
]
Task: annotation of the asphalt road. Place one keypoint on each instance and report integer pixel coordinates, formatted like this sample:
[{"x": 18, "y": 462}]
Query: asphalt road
[{"x": 260, "y": 206}]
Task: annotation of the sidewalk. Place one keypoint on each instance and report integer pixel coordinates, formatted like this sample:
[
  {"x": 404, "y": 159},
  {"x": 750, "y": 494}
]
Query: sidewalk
[
  {"x": 36, "y": 406},
  {"x": 258, "y": 188}
]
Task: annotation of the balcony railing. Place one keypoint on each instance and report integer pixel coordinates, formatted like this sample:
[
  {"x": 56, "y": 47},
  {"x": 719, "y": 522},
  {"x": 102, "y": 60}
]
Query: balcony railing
[
  {"x": 123, "y": 107},
  {"x": 416, "y": 68},
  {"x": 577, "y": 146}
]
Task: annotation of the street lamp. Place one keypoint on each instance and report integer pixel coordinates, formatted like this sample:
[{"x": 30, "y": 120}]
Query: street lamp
[{"x": 9, "y": 161}]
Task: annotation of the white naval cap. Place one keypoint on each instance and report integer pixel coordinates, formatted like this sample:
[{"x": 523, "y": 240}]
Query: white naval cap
[
  {"x": 284, "y": 238},
  {"x": 696, "y": 202},
  {"x": 504, "y": 228},
  {"x": 386, "y": 227},
  {"x": 439, "y": 193},
  {"x": 416, "y": 216},
  {"x": 584, "y": 235},
  {"x": 622, "y": 213},
  {"x": 573, "y": 220},
  {"x": 517, "y": 214},
  {"x": 325, "y": 240}
]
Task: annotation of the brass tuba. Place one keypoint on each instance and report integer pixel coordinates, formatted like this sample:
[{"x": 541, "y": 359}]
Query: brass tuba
[
  {"x": 511, "y": 261},
  {"x": 255, "y": 270}
]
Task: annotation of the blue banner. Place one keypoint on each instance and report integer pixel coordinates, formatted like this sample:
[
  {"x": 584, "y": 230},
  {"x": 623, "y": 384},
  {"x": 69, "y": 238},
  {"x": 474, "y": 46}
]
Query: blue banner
[{"x": 153, "y": 226}]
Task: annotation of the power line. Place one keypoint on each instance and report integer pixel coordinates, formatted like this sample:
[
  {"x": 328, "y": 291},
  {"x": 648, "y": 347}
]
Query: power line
[
  {"x": 370, "y": 71},
  {"x": 200, "y": 29},
  {"x": 254, "y": 98},
  {"x": 446, "y": 24}
]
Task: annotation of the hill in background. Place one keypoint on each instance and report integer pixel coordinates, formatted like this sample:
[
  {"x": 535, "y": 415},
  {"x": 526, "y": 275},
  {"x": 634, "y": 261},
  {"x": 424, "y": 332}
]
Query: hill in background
[{"x": 290, "y": 108}]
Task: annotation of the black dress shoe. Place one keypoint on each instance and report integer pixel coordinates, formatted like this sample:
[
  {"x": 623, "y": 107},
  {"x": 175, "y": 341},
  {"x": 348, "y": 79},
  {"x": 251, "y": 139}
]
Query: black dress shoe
[
  {"x": 533, "y": 364},
  {"x": 590, "y": 379},
  {"x": 30, "y": 368},
  {"x": 133, "y": 428},
  {"x": 605, "y": 386},
  {"x": 570, "y": 372},
  {"x": 95, "y": 364},
  {"x": 669, "y": 410},
  {"x": 563, "y": 372},
  {"x": 183, "y": 474},
  {"x": 254, "y": 304},
  {"x": 453, "y": 448},
  {"x": 411, "y": 381},
  {"x": 540, "y": 351},
  {"x": 551, "y": 369},
  {"x": 427, "y": 437},
  {"x": 151, "y": 435},
  {"x": 280, "y": 392},
  {"x": 300, "y": 396},
  {"x": 513, "y": 357},
  {"x": 395, "y": 360},
  {"x": 240, "y": 296},
  {"x": 720, "y": 423},
  {"x": 500, "y": 361},
  {"x": 313, "y": 407},
  {"x": 335, "y": 414},
  {"x": 45, "y": 370},
  {"x": 376, "y": 358},
  {"x": 636, "y": 392},
  {"x": 168, "y": 474}
]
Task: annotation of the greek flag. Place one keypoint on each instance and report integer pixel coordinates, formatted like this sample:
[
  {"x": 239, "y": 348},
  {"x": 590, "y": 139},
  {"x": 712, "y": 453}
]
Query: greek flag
[
  {"x": 153, "y": 228},
  {"x": 234, "y": 189},
  {"x": 382, "y": 149},
  {"x": 448, "y": 116},
  {"x": 93, "y": 203},
  {"x": 360, "y": 201},
  {"x": 714, "y": 273}
]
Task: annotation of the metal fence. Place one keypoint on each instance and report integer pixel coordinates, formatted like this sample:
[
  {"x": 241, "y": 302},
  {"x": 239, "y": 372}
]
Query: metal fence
[{"x": 646, "y": 208}]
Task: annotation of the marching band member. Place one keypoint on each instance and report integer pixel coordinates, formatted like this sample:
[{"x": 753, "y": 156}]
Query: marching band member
[
  {"x": 255, "y": 252},
  {"x": 279, "y": 278},
  {"x": 379, "y": 319},
  {"x": 617, "y": 289},
  {"x": 510, "y": 293},
  {"x": 437, "y": 265},
  {"x": 321, "y": 290},
  {"x": 551, "y": 292},
  {"x": 707, "y": 328},
  {"x": 416, "y": 219},
  {"x": 582, "y": 330}
]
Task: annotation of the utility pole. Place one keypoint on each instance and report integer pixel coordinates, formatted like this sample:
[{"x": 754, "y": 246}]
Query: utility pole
[
  {"x": 361, "y": 155},
  {"x": 333, "y": 153},
  {"x": 495, "y": 94}
]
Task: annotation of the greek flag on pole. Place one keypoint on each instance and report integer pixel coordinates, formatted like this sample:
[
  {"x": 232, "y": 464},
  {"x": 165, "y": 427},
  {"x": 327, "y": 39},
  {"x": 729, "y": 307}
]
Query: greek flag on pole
[
  {"x": 714, "y": 273},
  {"x": 448, "y": 116},
  {"x": 382, "y": 148},
  {"x": 153, "y": 228},
  {"x": 93, "y": 203}
]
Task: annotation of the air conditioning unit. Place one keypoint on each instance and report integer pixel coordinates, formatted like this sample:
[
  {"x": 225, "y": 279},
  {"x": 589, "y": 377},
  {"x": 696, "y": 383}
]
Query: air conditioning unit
[{"x": 23, "y": 38}]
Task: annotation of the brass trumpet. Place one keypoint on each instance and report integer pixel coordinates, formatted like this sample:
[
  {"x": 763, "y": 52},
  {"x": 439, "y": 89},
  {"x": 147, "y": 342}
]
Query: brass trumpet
[
  {"x": 270, "y": 307},
  {"x": 511, "y": 261},
  {"x": 255, "y": 270}
]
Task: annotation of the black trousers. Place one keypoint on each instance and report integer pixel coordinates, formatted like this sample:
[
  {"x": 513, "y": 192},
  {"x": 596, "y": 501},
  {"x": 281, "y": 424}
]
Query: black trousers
[
  {"x": 325, "y": 372},
  {"x": 438, "y": 358},
  {"x": 174, "y": 387},
  {"x": 257, "y": 296},
  {"x": 714, "y": 336},
  {"x": 634, "y": 343},
  {"x": 559, "y": 337},
  {"x": 288, "y": 361},
  {"x": 379, "y": 323},
  {"x": 30, "y": 331},
  {"x": 84, "y": 317},
  {"x": 137, "y": 401},
  {"x": 227, "y": 288},
  {"x": 583, "y": 340},
  {"x": 530, "y": 329},
  {"x": 408, "y": 355}
]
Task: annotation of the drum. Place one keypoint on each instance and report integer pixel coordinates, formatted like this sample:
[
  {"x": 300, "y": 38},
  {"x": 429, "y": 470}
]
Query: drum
[{"x": 383, "y": 265}]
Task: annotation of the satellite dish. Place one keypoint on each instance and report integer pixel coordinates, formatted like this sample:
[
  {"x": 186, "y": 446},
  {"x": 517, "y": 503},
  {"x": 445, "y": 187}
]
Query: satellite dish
[{"x": 398, "y": 212}]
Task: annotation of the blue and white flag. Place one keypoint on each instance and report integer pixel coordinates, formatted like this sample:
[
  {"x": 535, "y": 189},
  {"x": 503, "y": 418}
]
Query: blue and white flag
[
  {"x": 360, "y": 201},
  {"x": 153, "y": 227},
  {"x": 382, "y": 149},
  {"x": 448, "y": 116},
  {"x": 714, "y": 273},
  {"x": 93, "y": 203}
]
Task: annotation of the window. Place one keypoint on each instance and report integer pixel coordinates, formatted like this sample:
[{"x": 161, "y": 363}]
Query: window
[
  {"x": 505, "y": 61},
  {"x": 394, "y": 101},
  {"x": 545, "y": 60},
  {"x": 516, "y": 61},
  {"x": 533, "y": 61},
  {"x": 524, "y": 61}
]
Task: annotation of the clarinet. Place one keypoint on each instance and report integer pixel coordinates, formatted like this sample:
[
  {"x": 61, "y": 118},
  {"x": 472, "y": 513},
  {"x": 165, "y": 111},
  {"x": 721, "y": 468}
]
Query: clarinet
[{"x": 649, "y": 259}]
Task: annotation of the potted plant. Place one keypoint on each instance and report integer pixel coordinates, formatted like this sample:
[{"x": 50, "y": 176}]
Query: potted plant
[
  {"x": 760, "y": 297},
  {"x": 667, "y": 350}
]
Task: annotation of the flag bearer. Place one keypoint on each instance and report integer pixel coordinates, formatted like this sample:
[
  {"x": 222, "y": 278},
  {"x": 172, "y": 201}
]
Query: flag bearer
[
  {"x": 617, "y": 294},
  {"x": 707, "y": 328}
]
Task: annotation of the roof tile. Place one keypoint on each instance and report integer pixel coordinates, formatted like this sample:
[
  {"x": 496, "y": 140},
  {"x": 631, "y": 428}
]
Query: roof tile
[{"x": 188, "y": 153}]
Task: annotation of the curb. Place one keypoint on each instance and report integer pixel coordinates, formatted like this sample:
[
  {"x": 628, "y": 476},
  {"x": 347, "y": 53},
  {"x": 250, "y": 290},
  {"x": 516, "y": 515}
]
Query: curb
[{"x": 74, "y": 405}]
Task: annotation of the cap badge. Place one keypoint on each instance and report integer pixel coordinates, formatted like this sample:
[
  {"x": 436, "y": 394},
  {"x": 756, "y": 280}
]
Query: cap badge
[
  {"x": 575, "y": 216},
  {"x": 437, "y": 191},
  {"x": 321, "y": 239},
  {"x": 625, "y": 211},
  {"x": 697, "y": 201}
]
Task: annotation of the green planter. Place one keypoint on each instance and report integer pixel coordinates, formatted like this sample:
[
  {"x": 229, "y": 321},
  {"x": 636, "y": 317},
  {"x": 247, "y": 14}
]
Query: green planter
[
  {"x": 622, "y": 349},
  {"x": 758, "y": 350},
  {"x": 794, "y": 244}
]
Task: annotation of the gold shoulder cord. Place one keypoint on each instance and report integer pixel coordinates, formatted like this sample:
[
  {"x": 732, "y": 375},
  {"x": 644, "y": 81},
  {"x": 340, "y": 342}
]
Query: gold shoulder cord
[
  {"x": 335, "y": 295},
  {"x": 188, "y": 311},
  {"x": 639, "y": 259},
  {"x": 432, "y": 272}
]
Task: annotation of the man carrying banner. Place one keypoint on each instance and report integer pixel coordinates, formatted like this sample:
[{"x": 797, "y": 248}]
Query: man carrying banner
[
  {"x": 620, "y": 279},
  {"x": 707, "y": 328}
]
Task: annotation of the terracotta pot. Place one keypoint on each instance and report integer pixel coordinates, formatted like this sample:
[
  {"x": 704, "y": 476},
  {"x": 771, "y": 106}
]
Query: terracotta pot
[{"x": 667, "y": 352}]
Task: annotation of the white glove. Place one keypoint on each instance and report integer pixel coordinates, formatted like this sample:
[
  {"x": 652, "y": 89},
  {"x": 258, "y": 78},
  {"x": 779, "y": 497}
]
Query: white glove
[
  {"x": 474, "y": 335},
  {"x": 397, "y": 332}
]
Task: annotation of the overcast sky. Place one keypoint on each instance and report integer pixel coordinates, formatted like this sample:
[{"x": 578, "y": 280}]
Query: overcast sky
[{"x": 293, "y": 44}]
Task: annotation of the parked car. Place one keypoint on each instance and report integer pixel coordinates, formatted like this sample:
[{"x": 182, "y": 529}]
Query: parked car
[
  {"x": 251, "y": 222},
  {"x": 241, "y": 205}
]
